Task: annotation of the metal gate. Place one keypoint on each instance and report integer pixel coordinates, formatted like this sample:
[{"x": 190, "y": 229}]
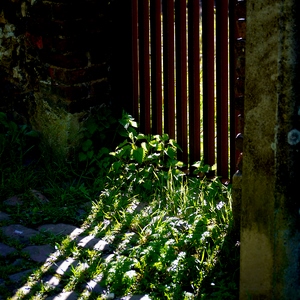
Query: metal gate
[{"x": 178, "y": 65}]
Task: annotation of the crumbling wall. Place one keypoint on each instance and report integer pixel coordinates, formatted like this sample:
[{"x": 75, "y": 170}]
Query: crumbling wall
[
  {"x": 270, "y": 227},
  {"x": 54, "y": 64}
]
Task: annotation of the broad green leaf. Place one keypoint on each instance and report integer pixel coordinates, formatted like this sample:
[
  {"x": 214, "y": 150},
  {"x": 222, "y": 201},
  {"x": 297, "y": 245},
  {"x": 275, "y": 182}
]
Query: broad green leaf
[
  {"x": 144, "y": 146},
  {"x": 127, "y": 120},
  {"x": 205, "y": 168},
  {"x": 141, "y": 136},
  {"x": 116, "y": 166},
  {"x": 82, "y": 156},
  {"x": 153, "y": 143},
  {"x": 124, "y": 152},
  {"x": 160, "y": 147},
  {"x": 165, "y": 137},
  {"x": 171, "y": 152},
  {"x": 154, "y": 156},
  {"x": 13, "y": 126},
  {"x": 90, "y": 154},
  {"x": 197, "y": 164},
  {"x": 147, "y": 185},
  {"x": 86, "y": 145},
  {"x": 131, "y": 136},
  {"x": 122, "y": 144},
  {"x": 133, "y": 123},
  {"x": 123, "y": 132},
  {"x": 33, "y": 133},
  {"x": 174, "y": 144},
  {"x": 180, "y": 164},
  {"x": 102, "y": 152},
  {"x": 91, "y": 125},
  {"x": 157, "y": 137},
  {"x": 139, "y": 154},
  {"x": 23, "y": 128}
]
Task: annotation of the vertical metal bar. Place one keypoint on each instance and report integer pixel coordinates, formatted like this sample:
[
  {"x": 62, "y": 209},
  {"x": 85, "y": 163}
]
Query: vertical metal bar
[
  {"x": 156, "y": 66},
  {"x": 135, "y": 70},
  {"x": 222, "y": 87},
  {"x": 168, "y": 64},
  {"x": 208, "y": 81},
  {"x": 144, "y": 56},
  {"x": 232, "y": 76},
  {"x": 181, "y": 77},
  {"x": 194, "y": 80}
]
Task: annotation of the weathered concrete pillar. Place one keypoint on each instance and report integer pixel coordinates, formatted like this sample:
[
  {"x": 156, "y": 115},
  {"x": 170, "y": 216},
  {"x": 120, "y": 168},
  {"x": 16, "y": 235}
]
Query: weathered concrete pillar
[{"x": 270, "y": 225}]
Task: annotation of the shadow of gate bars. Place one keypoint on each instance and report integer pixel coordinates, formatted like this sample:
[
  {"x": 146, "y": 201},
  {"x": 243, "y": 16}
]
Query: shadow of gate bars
[{"x": 177, "y": 71}]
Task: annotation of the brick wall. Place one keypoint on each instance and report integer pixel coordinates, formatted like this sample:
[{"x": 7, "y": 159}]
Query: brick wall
[
  {"x": 59, "y": 47},
  {"x": 54, "y": 64}
]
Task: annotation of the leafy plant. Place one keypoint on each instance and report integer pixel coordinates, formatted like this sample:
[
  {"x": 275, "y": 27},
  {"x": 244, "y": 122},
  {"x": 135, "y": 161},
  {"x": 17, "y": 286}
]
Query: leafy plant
[
  {"x": 101, "y": 130},
  {"x": 180, "y": 235},
  {"x": 143, "y": 159},
  {"x": 170, "y": 233},
  {"x": 17, "y": 142}
]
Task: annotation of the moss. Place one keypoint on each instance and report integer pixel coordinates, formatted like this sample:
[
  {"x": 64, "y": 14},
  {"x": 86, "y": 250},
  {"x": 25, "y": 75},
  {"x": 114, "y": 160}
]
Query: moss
[{"x": 60, "y": 130}]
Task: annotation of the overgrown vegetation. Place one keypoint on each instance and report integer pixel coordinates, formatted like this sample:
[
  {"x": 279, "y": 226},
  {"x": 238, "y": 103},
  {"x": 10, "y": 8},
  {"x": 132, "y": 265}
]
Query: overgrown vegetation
[{"x": 170, "y": 233}]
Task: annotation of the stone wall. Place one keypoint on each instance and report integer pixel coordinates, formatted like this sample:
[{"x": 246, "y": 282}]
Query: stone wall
[
  {"x": 54, "y": 63},
  {"x": 270, "y": 223}
]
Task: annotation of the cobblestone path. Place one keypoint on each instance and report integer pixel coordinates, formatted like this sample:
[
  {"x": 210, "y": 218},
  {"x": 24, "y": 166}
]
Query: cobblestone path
[{"x": 55, "y": 270}]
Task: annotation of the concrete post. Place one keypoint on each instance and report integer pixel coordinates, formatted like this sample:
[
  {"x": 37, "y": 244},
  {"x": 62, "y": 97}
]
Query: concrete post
[{"x": 270, "y": 223}]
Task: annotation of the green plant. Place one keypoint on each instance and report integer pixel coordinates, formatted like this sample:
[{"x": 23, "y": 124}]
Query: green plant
[
  {"x": 17, "y": 142},
  {"x": 178, "y": 241},
  {"x": 100, "y": 132},
  {"x": 144, "y": 159},
  {"x": 170, "y": 233}
]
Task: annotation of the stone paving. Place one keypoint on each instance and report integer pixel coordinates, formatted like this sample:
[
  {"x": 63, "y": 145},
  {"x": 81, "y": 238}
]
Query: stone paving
[{"x": 48, "y": 259}]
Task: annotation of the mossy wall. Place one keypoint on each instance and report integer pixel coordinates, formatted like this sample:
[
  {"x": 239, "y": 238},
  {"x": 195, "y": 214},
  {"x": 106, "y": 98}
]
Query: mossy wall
[
  {"x": 270, "y": 227},
  {"x": 55, "y": 64}
]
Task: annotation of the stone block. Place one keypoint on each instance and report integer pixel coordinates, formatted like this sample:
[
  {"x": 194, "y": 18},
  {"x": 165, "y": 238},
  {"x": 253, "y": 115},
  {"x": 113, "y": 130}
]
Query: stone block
[
  {"x": 71, "y": 92},
  {"x": 61, "y": 229},
  {"x": 4, "y": 217},
  {"x": 19, "y": 232},
  {"x": 68, "y": 61},
  {"x": 41, "y": 10},
  {"x": 64, "y": 296},
  {"x": 75, "y": 76},
  {"x": 39, "y": 253},
  {"x": 18, "y": 277},
  {"x": 6, "y": 250}
]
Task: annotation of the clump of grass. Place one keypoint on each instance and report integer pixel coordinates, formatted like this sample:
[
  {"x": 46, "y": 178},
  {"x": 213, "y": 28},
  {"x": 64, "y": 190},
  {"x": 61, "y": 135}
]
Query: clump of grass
[{"x": 168, "y": 248}]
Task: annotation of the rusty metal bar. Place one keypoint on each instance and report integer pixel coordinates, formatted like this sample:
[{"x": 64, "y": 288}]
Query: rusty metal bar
[
  {"x": 135, "y": 66},
  {"x": 194, "y": 80},
  {"x": 232, "y": 71},
  {"x": 156, "y": 66},
  {"x": 168, "y": 65},
  {"x": 208, "y": 81},
  {"x": 222, "y": 86},
  {"x": 145, "y": 120},
  {"x": 181, "y": 77}
]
